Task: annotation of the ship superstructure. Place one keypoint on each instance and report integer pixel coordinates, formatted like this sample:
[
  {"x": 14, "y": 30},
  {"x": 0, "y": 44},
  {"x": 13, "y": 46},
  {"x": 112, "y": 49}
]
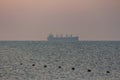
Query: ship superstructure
[{"x": 61, "y": 38}]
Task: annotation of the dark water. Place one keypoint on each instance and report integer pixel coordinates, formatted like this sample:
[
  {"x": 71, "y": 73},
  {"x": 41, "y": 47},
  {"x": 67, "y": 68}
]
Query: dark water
[{"x": 41, "y": 60}]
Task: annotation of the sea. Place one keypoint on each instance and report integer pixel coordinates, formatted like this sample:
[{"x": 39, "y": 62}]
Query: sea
[{"x": 42, "y": 60}]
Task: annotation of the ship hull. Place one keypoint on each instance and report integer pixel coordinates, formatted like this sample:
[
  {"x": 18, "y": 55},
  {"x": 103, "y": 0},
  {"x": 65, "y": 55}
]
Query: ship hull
[{"x": 64, "y": 39}]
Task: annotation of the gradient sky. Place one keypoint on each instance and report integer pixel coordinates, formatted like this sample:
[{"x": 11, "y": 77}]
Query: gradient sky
[{"x": 35, "y": 19}]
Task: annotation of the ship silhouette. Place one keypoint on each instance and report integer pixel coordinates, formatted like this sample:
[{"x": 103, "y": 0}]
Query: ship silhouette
[{"x": 67, "y": 38}]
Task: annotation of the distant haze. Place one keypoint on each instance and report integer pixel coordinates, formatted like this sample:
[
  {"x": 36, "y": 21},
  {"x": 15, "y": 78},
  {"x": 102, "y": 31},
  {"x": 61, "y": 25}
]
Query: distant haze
[{"x": 35, "y": 19}]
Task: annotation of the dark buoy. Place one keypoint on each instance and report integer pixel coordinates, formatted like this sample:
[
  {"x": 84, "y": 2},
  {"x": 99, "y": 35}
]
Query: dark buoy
[
  {"x": 33, "y": 64},
  {"x": 107, "y": 71},
  {"x": 59, "y": 66},
  {"x": 73, "y": 68},
  {"x": 89, "y": 70},
  {"x": 45, "y": 66},
  {"x": 21, "y": 63}
]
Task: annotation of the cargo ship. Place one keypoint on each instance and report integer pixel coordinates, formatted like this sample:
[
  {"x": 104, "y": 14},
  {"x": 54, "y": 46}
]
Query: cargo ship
[{"x": 61, "y": 38}]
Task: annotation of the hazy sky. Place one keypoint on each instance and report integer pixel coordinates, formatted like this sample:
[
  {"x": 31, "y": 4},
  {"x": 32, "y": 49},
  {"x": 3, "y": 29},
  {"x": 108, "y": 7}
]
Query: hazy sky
[{"x": 35, "y": 19}]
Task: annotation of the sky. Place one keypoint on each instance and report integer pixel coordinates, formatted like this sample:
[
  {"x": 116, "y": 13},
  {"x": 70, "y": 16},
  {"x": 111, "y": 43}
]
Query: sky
[{"x": 36, "y": 19}]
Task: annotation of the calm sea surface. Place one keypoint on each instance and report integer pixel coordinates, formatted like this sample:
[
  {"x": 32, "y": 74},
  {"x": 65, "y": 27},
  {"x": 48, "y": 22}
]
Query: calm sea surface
[{"x": 42, "y": 60}]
